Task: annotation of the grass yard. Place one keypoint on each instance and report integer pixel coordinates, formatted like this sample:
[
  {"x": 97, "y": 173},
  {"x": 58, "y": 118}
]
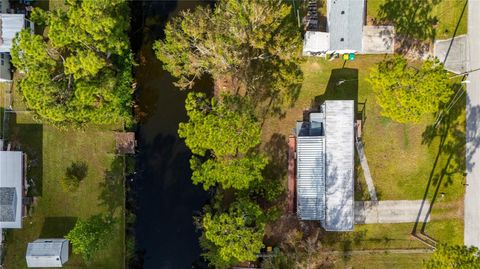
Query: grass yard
[
  {"x": 407, "y": 161},
  {"x": 447, "y": 12},
  {"x": 50, "y": 152},
  {"x": 382, "y": 261}
]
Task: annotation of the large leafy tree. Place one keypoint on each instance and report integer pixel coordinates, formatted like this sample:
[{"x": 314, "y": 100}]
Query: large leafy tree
[
  {"x": 91, "y": 235},
  {"x": 255, "y": 43},
  {"x": 454, "y": 256},
  {"x": 233, "y": 236},
  {"x": 225, "y": 133},
  {"x": 405, "y": 93},
  {"x": 80, "y": 71}
]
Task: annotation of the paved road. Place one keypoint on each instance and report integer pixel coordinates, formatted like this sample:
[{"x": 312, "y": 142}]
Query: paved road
[{"x": 472, "y": 196}]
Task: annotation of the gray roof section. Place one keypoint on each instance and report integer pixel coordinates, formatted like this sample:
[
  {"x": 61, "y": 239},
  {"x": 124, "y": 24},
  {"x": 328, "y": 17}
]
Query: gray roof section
[
  {"x": 345, "y": 21},
  {"x": 8, "y": 204},
  {"x": 339, "y": 146},
  {"x": 47, "y": 253},
  {"x": 311, "y": 177},
  {"x": 11, "y": 177}
]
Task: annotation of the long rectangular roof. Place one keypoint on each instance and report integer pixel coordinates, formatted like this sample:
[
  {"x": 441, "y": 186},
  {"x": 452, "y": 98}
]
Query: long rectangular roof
[
  {"x": 345, "y": 22},
  {"x": 339, "y": 148},
  {"x": 11, "y": 176}
]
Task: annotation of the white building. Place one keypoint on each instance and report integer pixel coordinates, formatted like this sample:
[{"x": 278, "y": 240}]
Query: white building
[
  {"x": 325, "y": 166},
  {"x": 47, "y": 253},
  {"x": 10, "y": 25},
  {"x": 11, "y": 189},
  {"x": 347, "y": 33}
]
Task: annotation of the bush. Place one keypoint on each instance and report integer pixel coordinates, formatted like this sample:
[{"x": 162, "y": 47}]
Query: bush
[
  {"x": 69, "y": 183},
  {"x": 75, "y": 173}
]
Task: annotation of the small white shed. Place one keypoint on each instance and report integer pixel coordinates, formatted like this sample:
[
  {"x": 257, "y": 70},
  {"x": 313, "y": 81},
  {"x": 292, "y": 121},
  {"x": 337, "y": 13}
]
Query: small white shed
[{"x": 47, "y": 253}]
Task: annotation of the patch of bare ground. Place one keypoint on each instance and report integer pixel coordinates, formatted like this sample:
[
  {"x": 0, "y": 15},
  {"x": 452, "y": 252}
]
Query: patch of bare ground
[
  {"x": 448, "y": 210},
  {"x": 279, "y": 230},
  {"x": 413, "y": 49}
]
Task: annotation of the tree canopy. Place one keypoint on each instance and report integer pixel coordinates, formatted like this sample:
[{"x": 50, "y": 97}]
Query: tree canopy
[
  {"x": 233, "y": 236},
  {"x": 405, "y": 93},
  {"x": 225, "y": 128},
  {"x": 225, "y": 132},
  {"x": 454, "y": 256},
  {"x": 256, "y": 42},
  {"x": 89, "y": 236},
  {"x": 80, "y": 71}
]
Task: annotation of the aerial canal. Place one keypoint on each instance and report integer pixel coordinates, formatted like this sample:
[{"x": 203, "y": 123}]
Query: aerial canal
[{"x": 166, "y": 200}]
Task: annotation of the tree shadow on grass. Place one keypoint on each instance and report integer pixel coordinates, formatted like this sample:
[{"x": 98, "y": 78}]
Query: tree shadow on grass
[
  {"x": 112, "y": 188},
  {"x": 28, "y": 138},
  {"x": 412, "y": 19},
  {"x": 451, "y": 134},
  {"x": 57, "y": 227},
  {"x": 342, "y": 85},
  {"x": 276, "y": 149}
]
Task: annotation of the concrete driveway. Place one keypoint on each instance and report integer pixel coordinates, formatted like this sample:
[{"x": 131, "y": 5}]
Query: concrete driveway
[
  {"x": 456, "y": 48},
  {"x": 398, "y": 211}
]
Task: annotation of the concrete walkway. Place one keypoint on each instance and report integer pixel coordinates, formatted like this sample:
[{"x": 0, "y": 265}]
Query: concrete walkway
[
  {"x": 366, "y": 171},
  {"x": 398, "y": 211}
]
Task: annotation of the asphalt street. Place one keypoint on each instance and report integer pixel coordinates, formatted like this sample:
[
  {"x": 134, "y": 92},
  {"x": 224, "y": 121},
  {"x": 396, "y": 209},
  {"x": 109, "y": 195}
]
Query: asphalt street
[{"x": 472, "y": 195}]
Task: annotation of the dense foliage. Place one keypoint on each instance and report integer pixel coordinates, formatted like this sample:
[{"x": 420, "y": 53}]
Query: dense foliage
[
  {"x": 80, "y": 71},
  {"x": 255, "y": 43},
  {"x": 454, "y": 256},
  {"x": 89, "y": 236},
  {"x": 225, "y": 133},
  {"x": 233, "y": 236},
  {"x": 404, "y": 93}
]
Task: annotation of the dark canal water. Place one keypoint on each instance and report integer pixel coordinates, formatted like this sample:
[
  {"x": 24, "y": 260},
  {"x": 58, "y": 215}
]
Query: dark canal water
[{"x": 166, "y": 200}]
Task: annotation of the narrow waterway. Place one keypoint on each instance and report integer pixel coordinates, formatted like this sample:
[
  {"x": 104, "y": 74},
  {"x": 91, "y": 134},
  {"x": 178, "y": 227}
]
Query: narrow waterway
[{"x": 166, "y": 200}]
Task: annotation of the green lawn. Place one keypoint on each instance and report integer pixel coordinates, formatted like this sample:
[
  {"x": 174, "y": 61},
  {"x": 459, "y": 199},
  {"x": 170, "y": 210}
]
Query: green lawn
[
  {"x": 447, "y": 12},
  {"x": 407, "y": 161},
  {"x": 382, "y": 261},
  {"x": 50, "y": 151}
]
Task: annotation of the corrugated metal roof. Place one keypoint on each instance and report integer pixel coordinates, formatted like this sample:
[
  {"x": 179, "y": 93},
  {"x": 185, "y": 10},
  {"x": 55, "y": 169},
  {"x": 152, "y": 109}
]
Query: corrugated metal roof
[
  {"x": 345, "y": 22},
  {"x": 339, "y": 148},
  {"x": 11, "y": 24},
  {"x": 47, "y": 253},
  {"x": 310, "y": 178},
  {"x": 11, "y": 171}
]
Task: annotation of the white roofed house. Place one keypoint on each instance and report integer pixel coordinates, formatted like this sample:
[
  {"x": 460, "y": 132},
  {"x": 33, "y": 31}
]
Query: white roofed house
[
  {"x": 11, "y": 189},
  {"x": 47, "y": 253},
  {"x": 346, "y": 31},
  {"x": 325, "y": 166},
  {"x": 10, "y": 25}
]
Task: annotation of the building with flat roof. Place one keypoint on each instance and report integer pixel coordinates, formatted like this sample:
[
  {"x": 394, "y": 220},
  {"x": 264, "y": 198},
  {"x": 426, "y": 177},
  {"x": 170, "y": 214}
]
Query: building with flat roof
[
  {"x": 325, "y": 166},
  {"x": 11, "y": 189},
  {"x": 10, "y": 25},
  {"x": 47, "y": 253},
  {"x": 346, "y": 32}
]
